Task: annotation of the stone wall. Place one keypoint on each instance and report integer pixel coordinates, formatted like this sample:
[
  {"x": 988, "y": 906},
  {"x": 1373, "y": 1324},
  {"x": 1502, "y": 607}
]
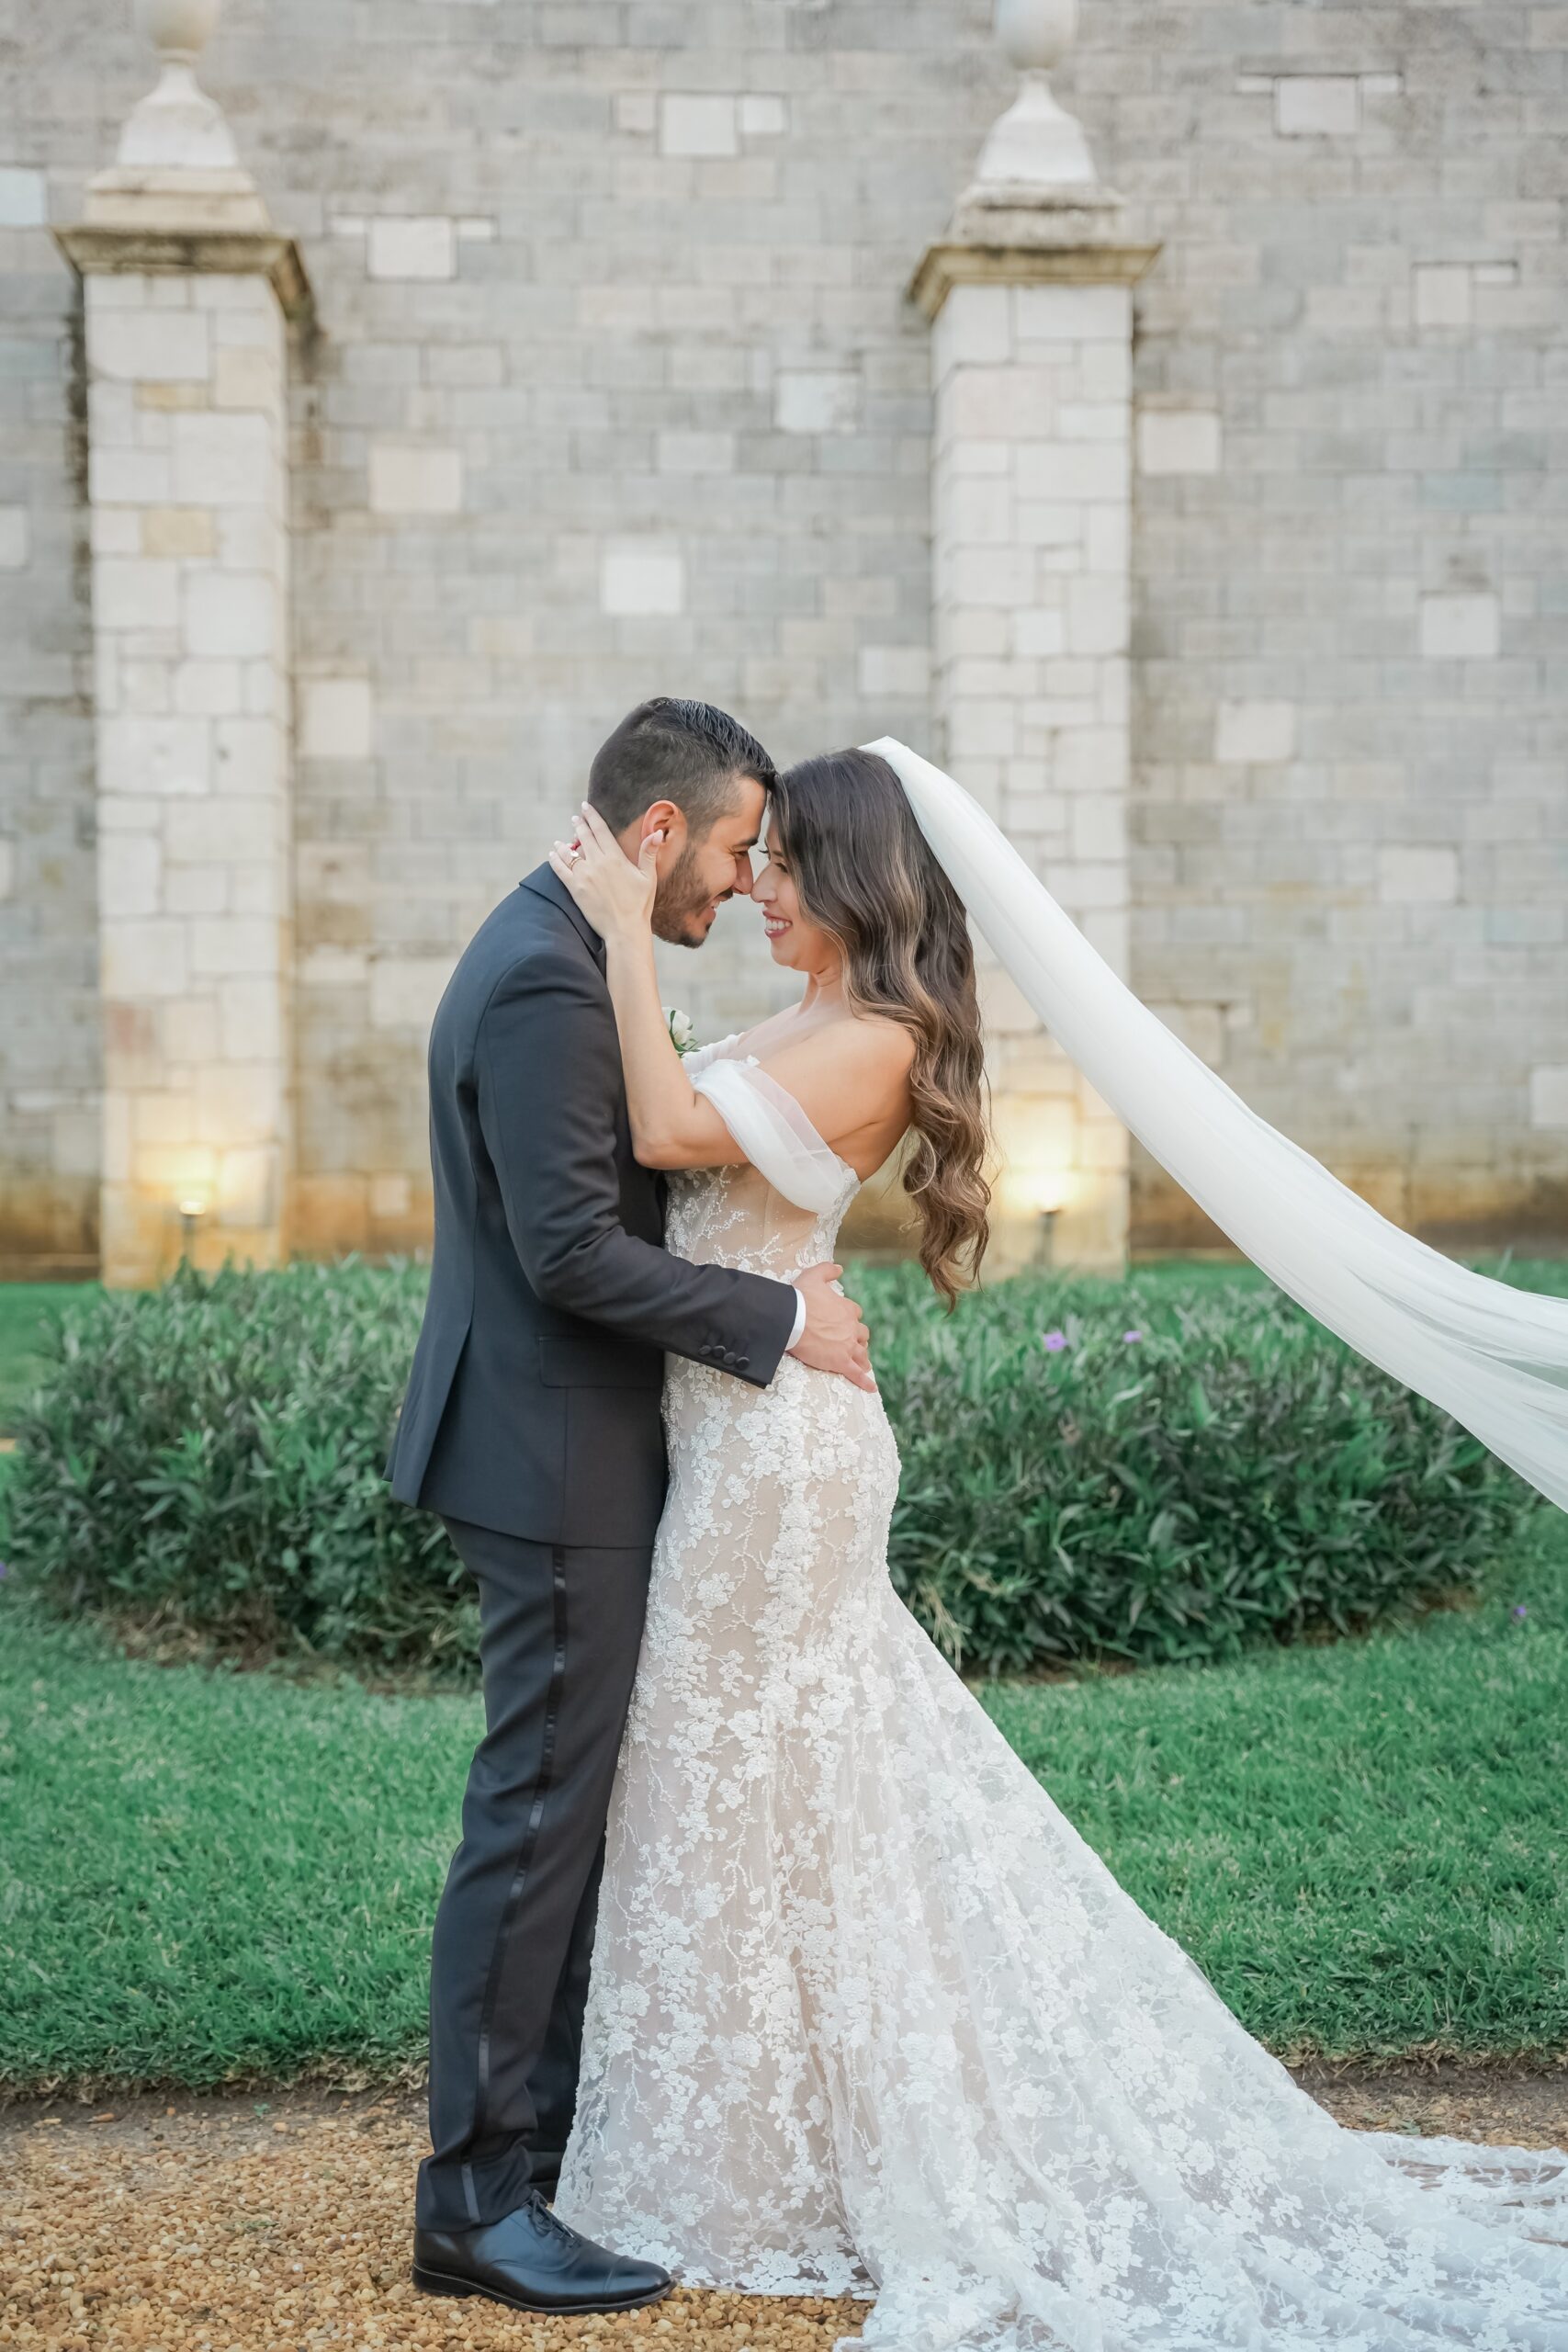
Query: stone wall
[
  {"x": 50, "y": 1031},
  {"x": 615, "y": 389}
]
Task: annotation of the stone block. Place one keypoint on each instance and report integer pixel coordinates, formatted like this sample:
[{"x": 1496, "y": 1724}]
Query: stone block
[
  {"x": 148, "y": 346},
  {"x": 135, "y": 591},
  {"x": 1254, "y": 733},
  {"x": 198, "y": 890},
  {"x": 1549, "y": 1094},
  {"x": 1442, "y": 294},
  {"x": 637, "y": 111},
  {"x": 816, "y": 401},
  {"x": 240, "y": 1104},
  {"x": 765, "y": 117},
  {"x": 130, "y": 873},
  {"x": 336, "y": 718},
  {"x": 140, "y": 959},
  {"x": 127, "y": 477},
  {"x": 1316, "y": 106},
  {"x": 224, "y": 832},
  {"x": 1098, "y": 826},
  {"x": 1410, "y": 874},
  {"x": 247, "y": 376},
  {"x": 251, "y": 758},
  {"x": 391, "y": 1198},
  {"x": 634, "y": 579},
  {"x": 235, "y": 947},
  {"x": 1038, "y": 634},
  {"x": 1057, "y": 472},
  {"x": 207, "y": 689},
  {"x": 696, "y": 453},
  {"x": 227, "y": 460},
  {"x": 898, "y": 673},
  {"x": 406, "y": 989},
  {"x": 415, "y": 479},
  {"x": 972, "y": 328},
  {"x": 229, "y": 614},
  {"x": 697, "y": 124},
  {"x": 15, "y": 538},
  {"x": 158, "y": 757},
  {"x": 1179, "y": 441},
  {"x": 24, "y": 198},
  {"x": 251, "y": 1019},
  {"x": 418, "y": 247},
  {"x": 1097, "y": 613},
  {"x": 1071, "y": 313},
  {"x": 187, "y": 1032},
  {"x": 1460, "y": 627},
  {"x": 178, "y": 531}
]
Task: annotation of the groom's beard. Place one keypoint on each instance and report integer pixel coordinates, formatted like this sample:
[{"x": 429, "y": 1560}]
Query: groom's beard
[{"x": 680, "y": 909}]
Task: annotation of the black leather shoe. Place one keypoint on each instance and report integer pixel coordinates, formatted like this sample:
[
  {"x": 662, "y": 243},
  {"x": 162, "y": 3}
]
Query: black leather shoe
[{"x": 536, "y": 2264}]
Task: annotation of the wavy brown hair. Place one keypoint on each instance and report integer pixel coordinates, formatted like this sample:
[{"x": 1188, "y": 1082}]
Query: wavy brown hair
[{"x": 865, "y": 874}]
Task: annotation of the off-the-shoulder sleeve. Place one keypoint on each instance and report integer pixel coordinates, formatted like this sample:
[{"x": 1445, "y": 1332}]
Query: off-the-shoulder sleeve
[
  {"x": 773, "y": 1132},
  {"x": 701, "y": 1057}
]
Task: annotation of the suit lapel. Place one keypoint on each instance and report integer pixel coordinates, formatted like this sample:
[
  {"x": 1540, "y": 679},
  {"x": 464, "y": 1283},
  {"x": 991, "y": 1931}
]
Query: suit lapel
[{"x": 546, "y": 883}]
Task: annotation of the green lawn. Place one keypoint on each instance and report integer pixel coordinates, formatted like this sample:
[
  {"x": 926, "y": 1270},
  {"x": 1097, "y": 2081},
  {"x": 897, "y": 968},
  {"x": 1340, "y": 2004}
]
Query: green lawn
[
  {"x": 205, "y": 1876},
  {"x": 24, "y": 1308}
]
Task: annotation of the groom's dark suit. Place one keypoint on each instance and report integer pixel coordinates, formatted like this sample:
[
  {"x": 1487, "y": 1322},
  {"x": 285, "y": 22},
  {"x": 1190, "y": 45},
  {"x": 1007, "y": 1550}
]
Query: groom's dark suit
[{"x": 532, "y": 1424}]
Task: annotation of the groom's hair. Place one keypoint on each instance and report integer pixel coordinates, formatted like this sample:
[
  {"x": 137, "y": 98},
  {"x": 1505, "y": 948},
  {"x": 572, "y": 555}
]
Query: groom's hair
[{"x": 689, "y": 752}]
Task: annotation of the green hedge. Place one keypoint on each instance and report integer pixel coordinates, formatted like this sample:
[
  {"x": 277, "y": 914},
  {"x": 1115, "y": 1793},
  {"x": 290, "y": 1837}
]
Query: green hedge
[{"x": 1145, "y": 1470}]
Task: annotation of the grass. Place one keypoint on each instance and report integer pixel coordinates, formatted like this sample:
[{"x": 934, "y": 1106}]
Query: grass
[
  {"x": 211, "y": 1877},
  {"x": 217, "y": 1877},
  {"x": 24, "y": 1308}
]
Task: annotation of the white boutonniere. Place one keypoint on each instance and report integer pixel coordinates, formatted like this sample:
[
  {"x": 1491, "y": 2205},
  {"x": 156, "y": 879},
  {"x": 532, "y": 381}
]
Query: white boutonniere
[{"x": 682, "y": 1031}]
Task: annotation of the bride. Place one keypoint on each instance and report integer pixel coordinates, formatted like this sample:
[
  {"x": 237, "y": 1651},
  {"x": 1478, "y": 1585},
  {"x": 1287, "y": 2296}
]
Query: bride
[{"x": 866, "y": 2014}]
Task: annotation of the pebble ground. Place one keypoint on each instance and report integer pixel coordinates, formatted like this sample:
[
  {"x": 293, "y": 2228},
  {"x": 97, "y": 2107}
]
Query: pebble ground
[{"x": 280, "y": 2223}]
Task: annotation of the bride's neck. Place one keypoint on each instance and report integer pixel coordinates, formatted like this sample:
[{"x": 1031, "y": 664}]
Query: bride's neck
[{"x": 824, "y": 988}]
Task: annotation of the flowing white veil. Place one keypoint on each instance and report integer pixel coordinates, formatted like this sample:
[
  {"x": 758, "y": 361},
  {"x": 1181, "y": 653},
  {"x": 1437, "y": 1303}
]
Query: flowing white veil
[{"x": 1494, "y": 1357}]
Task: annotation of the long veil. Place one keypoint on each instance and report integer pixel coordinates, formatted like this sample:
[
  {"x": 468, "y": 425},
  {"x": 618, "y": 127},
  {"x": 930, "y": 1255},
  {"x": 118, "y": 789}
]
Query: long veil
[{"x": 1494, "y": 1357}]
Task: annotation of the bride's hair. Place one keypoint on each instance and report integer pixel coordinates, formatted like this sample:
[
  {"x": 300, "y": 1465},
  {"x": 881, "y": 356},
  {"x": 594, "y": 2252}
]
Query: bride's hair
[{"x": 865, "y": 874}]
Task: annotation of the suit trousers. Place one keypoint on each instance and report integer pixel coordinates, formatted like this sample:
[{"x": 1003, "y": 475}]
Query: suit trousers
[{"x": 561, "y": 1626}]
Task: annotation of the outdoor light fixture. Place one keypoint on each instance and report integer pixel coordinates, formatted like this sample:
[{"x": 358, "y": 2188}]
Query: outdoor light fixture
[{"x": 193, "y": 1208}]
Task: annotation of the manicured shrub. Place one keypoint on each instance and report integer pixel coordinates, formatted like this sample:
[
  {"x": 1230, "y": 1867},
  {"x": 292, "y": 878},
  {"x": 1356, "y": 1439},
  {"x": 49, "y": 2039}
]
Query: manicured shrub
[
  {"x": 1141, "y": 1470},
  {"x": 207, "y": 1457},
  {"x": 1129, "y": 1470}
]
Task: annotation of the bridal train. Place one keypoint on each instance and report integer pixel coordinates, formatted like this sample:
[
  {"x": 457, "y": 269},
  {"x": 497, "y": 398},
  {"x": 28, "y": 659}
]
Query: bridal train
[{"x": 868, "y": 2014}]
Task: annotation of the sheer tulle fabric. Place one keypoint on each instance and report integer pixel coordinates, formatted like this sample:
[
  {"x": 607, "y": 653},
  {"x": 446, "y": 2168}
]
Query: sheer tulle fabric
[
  {"x": 1494, "y": 1357},
  {"x": 867, "y": 2013}
]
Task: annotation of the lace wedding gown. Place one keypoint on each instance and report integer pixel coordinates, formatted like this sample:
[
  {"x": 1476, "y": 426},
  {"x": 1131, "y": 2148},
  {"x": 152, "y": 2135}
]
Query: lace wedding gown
[{"x": 867, "y": 2014}]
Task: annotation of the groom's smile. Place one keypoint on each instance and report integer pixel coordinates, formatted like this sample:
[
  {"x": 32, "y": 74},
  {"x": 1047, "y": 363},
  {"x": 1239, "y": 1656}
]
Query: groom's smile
[{"x": 702, "y": 874}]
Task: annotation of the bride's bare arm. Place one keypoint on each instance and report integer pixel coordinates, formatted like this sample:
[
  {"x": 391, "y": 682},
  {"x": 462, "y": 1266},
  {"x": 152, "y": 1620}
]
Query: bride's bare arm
[{"x": 849, "y": 1080}]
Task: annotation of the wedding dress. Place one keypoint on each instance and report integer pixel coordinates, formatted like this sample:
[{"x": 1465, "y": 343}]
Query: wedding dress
[{"x": 867, "y": 2014}]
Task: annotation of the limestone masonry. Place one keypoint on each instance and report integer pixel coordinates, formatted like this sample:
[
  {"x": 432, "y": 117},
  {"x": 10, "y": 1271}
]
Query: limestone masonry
[{"x": 1165, "y": 428}]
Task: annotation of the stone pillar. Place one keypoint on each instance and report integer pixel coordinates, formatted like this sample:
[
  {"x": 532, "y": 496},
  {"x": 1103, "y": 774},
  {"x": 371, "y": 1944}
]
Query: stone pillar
[
  {"x": 188, "y": 293},
  {"x": 1030, "y": 296}
]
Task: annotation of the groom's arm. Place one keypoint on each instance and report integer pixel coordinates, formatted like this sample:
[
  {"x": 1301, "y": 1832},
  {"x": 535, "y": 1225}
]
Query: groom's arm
[{"x": 547, "y": 1062}]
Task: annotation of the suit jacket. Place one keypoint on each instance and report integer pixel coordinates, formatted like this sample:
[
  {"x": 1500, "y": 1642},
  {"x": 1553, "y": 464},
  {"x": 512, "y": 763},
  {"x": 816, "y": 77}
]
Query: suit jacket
[{"x": 533, "y": 1406}]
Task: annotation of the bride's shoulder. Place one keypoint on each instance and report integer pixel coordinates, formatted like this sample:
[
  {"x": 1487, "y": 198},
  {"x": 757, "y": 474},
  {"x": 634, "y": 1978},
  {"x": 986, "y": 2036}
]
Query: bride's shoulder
[{"x": 870, "y": 1047}]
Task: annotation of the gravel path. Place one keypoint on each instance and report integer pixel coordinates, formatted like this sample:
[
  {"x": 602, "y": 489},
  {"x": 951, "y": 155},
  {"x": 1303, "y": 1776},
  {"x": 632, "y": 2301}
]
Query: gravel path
[{"x": 280, "y": 2223}]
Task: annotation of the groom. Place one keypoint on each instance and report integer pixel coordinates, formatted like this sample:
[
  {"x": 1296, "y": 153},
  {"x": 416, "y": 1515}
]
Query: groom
[{"x": 532, "y": 1426}]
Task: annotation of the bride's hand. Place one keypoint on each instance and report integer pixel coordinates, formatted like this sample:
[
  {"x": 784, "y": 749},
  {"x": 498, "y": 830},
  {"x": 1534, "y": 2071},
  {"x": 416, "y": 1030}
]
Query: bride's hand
[{"x": 614, "y": 894}]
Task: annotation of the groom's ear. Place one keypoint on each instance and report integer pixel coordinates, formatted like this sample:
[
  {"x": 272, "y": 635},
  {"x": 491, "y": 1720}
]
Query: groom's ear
[{"x": 665, "y": 818}]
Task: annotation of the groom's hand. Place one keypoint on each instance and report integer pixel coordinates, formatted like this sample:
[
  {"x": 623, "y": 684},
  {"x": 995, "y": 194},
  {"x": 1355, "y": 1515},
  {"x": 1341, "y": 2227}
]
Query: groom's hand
[{"x": 835, "y": 1338}]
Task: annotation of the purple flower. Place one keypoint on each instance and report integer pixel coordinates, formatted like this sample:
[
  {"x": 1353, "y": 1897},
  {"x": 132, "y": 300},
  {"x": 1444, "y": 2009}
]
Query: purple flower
[
  {"x": 5, "y": 1570},
  {"x": 1520, "y": 1611},
  {"x": 1055, "y": 1341},
  {"x": 1132, "y": 1335}
]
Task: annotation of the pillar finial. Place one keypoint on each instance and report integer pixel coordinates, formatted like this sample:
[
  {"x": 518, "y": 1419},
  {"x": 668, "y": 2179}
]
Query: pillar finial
[
  {"x": 1036, "y": 149},
  {"x": 177, "y": 127}
]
